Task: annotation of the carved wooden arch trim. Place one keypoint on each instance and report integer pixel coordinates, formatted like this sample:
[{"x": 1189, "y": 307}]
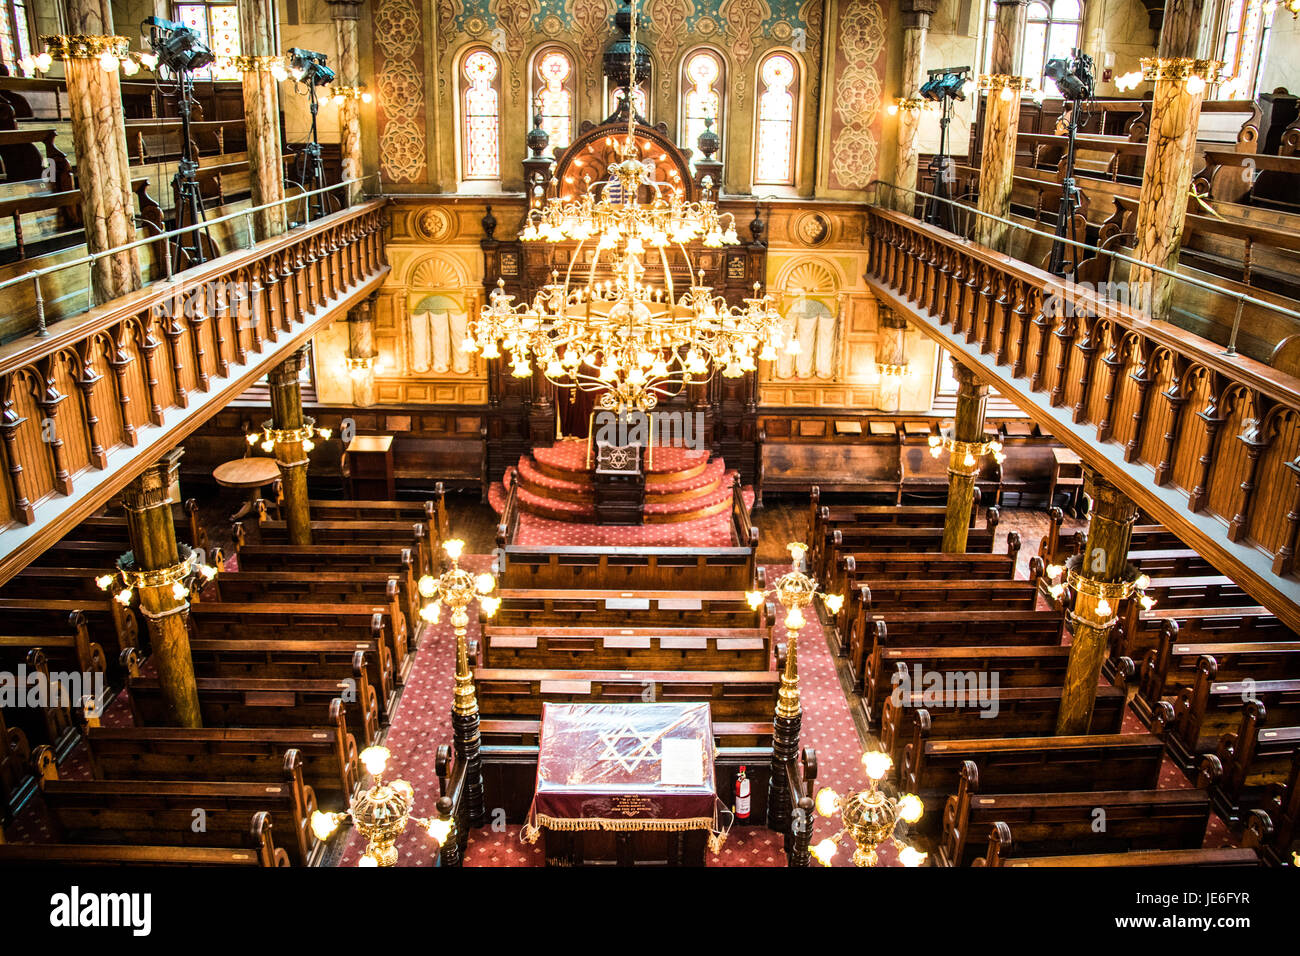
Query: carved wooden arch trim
[{"x": 594, "y": 147}]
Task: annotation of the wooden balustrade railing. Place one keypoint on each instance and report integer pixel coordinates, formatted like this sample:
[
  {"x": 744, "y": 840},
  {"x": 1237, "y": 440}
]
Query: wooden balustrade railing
[
  {"x": 1205, "y": 442},
  {"x": 85, "y": 409}
]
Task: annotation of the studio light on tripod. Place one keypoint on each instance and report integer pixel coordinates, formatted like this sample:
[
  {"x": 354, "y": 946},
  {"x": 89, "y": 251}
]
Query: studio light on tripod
[
  {"x": 1073, "y": 76},
  {"x": 309, "y": 67},
  {"x": 945, "y": 85},
  {"x": 178, "y": 48}
]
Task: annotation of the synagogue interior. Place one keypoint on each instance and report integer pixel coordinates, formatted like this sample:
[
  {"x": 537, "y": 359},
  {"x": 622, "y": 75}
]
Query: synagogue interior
[{"x": 649, "y": 433}]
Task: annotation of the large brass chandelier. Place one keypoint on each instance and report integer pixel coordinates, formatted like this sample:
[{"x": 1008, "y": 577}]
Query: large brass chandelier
[{"x": 601, "y": 327}]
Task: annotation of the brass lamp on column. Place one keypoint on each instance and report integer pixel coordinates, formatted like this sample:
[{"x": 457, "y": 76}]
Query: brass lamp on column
[
  {"x": 456, "y": 588},
  {"x": 381, "y": 814},
  {"x": 869, "y": 817},
  {"x": 178, "y": 579},
  {"x": 795, "y": 591}
]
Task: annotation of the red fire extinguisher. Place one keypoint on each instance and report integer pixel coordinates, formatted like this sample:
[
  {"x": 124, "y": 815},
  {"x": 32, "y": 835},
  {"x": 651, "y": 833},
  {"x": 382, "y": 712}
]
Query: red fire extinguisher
[{"x": 742, "y": 795}]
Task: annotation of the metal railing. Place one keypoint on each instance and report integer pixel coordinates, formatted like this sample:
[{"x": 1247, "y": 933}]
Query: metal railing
[
  {"x": 1241, "y": 298},
  {"x": 34, "y": 276}
]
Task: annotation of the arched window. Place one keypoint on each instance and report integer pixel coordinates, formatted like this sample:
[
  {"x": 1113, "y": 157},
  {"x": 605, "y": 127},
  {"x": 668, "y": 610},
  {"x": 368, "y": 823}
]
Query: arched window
[
  {"x": 778, "y": 94},
  {"x": 15, "y": 34},
  {"x": 553, "y": 85},
  {"x": 1246, "y": 28},
  {"x": 1052, "y": 30},
  {"x": 218, "y": 25},
  {"x": 480, "y": 116},
  {"x": 702, "y": 85}
]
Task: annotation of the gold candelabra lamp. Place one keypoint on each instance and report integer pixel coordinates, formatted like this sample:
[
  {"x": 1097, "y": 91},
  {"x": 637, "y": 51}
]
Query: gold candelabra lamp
[
  {"x": 1098, "y": 600},
  {"x": 870, "y": 817},
  {"x": 381, "y": 814},
  {"x": 177, "y": 579},
  {"x": 966, "y": 454},
  {"x": 271, "y": 436},
  {"x": 795, "y": 591},
  {"x": 456, "y": 588}
]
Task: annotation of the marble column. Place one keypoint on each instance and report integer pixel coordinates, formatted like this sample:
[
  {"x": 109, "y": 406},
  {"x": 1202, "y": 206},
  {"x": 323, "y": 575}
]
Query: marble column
[
  {"x": 260, "y": 33},
  {"x": 1104, "y": 561},
  {"x": 99, "y": 142},
  {"x": 1171, "y": 148},
  {"x": 286, "y": 415},
  {"x": 347, "y": 65},
  {"x": 1001, "y": 120},
  {"x": 152, "y": 531},
  {"x": 968, "y": 427},
  {"x": 916, "y": 22},
  {"x": 891, "y": 358},
  {"x": 361, "y": 353}
]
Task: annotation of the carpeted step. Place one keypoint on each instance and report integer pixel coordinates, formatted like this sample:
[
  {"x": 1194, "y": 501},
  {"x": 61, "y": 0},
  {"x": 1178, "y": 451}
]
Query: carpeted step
[
  {"x": 705, "y": 481},
  {"x": 548, "y": 486}
]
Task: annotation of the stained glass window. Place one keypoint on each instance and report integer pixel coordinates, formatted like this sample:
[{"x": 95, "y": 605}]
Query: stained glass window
[
  {"x": 1051, "y": 32},
  {"x": 701, "y": 98},
  {"x": 15, "y": 34},
  {"x": 554, "y": 89},
  {"x": 480, "y": 123},
  {"x": 218, "y": 25},
  {"x": 778, "y": 85},
  {"x": 1247, "y": 25}
]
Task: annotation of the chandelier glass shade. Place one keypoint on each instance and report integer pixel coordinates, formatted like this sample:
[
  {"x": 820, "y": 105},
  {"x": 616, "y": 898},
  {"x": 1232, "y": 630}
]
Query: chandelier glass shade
[{"x": 601, "y": 326}]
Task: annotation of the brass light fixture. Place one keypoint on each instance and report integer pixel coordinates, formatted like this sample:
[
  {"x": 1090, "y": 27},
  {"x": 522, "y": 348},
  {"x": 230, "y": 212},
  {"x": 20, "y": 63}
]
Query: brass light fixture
[
  {"x": 1098, "y": 600},
  {"x": 272, "y": 436},
  {"x": 869, "y": 818},
  {"x": 795, "y": 591},
  {"x": 456, "y": 588},
  {"x": 966, "y": 454},
  {"x": 177, "y": 579},
  {"x": 381, "y": 814},
  {"x": 631, "y": 341}
]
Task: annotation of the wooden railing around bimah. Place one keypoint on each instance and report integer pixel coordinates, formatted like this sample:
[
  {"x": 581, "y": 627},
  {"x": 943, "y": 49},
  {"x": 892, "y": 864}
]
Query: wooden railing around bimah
[
  {"x": 1206, "y": 443},
  {"x": 88, "y": 406}
]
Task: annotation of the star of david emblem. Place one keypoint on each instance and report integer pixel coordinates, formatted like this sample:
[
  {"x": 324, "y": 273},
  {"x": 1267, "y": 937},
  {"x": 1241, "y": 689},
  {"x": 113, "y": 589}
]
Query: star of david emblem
[{"x": 641, "y": 751}]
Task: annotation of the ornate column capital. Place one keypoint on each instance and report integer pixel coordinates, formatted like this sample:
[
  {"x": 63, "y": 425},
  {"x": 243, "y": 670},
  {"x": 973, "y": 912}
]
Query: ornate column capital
[
  {"x": 345, "y": 9},
  {"x": 152, "y": 489},
  {"x": 286, "y": 373}
]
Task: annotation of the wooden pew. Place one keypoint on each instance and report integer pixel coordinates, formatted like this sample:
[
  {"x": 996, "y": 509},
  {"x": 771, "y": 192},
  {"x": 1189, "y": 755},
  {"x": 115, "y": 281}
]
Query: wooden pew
[
  {"x": 255, "y": 848},
  {"x": 258, "y": 702},
  {"x": 322, "y": 587},
  {"x": 390, "y": 536},
  {"x": 650, "y": 568},
  {"x": 75, "y": 584},
  {"x": 906, "y": 629},
  {"x": 866, "y": 567},
  {"x": 1275, "y": 828},
  {"x": 1089, "y": 762},
  {"x": 600, "y": 608},
  {"x": 104, "y": 627},
  {"x": 328, "y": 751},
  {"x": 1000, "y": 844},
  {"x": 113, "y": 528},
  {"x": 17, "y": 781},
  {"x": 368, "y": 625},
  {"x": 67, "y": 650},
  {"x": 1249, "y": 764},
  {"x": 909, "y": 539},
  {"x": 891, "y": 668},
  {"x": 55, "y": 723},
  {"x": 164, "y": 811},
  {"x": 1058, "y": 823},
  {"x": 1193, "y": 722},
  {"x": 1171, "y": 562},
  {"x": 1224, "y": 616},
  {"x": 307, "y": 559},
  {"x": 913, "y": 720},
  {"x": 628, "y": 648},
  {"x": 432, "y": 512},
  {"x": 520, "y": 692},
  {"x": 1171, "y": 665}
]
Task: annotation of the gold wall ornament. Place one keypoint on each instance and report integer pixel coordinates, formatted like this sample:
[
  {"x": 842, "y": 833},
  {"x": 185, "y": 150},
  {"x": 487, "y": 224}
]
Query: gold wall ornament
[
  {"x": 869, "y": 818},
  {"x": 795, "y": 591},
  {"x": 381, "y": 814}
]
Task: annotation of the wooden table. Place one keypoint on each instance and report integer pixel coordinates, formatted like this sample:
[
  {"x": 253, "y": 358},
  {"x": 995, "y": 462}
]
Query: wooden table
[
  {"x": 251, "y": 473},
  {"x": 1067, "y": 472}
]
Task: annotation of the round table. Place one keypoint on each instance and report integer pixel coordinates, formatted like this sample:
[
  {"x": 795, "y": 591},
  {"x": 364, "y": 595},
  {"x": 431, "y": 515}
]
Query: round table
[{"x": 252, "y": 473}]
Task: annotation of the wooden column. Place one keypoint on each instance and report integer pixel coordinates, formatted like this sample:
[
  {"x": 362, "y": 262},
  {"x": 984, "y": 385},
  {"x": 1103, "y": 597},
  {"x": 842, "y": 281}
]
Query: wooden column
[
  {"x": 916, "y": 22},
  {"x": 361, "y": 353},
  {"x": 1001, "y": 120},
  {"x": 347, "y": 65},
  {"x": 259, "y": 28},
  {"x": 1104, "y": 561},
  {"x": 99, "y": 139},
  {"x": 968, "y": 427},
  {"x": 1171, "y": 147},
  {"x": 148, "y": 505},
  {"x": 286, "y": 414}
]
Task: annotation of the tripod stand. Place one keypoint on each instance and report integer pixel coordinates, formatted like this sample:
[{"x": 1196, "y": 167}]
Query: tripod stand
[
  {"x": 310, "y": 169},
  {"x": 939, "y": 211},
  {"x": 196, "y": 246},
  {"x": 1070, "y": 201}
]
